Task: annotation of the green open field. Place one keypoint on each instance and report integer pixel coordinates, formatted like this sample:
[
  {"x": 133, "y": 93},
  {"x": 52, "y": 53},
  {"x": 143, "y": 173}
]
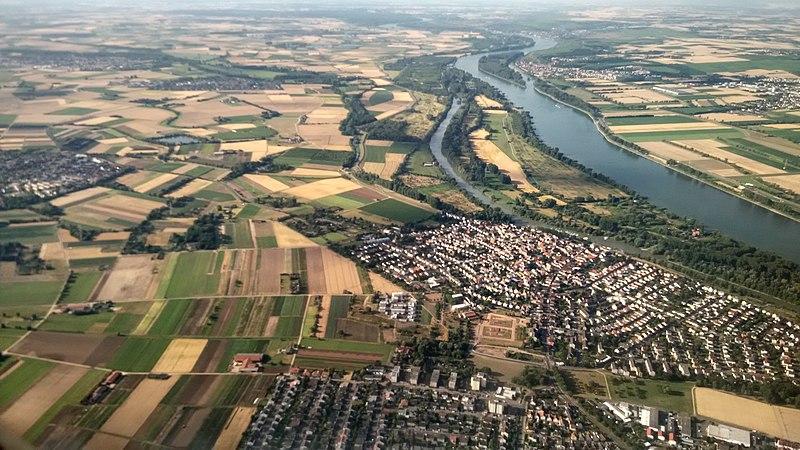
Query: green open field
[
  {"x": 240, "y": 233},
  {"x": 139, "y": 354},
  {"x": 80, "y": 287},
  {"x": 397, "y": 211},
  {"x": 299, "y": 156},
  {"x": 259, "y": 132},
  {"x": 250, "y": 210},
  {"x": 195, "y": 274},
  {"x": 76, "y": 324},
  {"x": 340, "y": 305},
  {"x": 19, "y": 215},
  {"x": 380, "y": 97},
  {"x": 214, "y": 195},
  {"x": 682, "y": 135},
  {"x": 23, "y": 377},
  {"x": 663, "y": 394},
  {"x": 789, "y": 63},
  {"x": 171, "y": 317},
  {"x": 205, "y": 149},
  {"x": 7, "y": 337},
  {"x": 7, "y": 119},
  {"x": 418, "y": 159},
  {"x": 28, "y": 293},
  {"x": 340, "y": 201},
  {"x": 73, "y": 111},
  {"x": 348, "y": 346},
  {"x": 290, "y": 309},
  {"x": 267, "y": 242},
  {"x": 495, "y": 122},
  {"x": 29, "y": 234},
  {"x": 123, "y": 323}
]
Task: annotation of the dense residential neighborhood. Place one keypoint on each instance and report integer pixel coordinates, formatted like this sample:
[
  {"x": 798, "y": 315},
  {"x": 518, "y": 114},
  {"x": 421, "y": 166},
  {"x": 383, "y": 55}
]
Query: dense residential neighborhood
[{"x": 590, "y": 305}]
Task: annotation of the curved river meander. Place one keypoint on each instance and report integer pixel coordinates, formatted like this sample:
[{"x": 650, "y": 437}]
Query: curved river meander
[{"x": 576, "y": 136}]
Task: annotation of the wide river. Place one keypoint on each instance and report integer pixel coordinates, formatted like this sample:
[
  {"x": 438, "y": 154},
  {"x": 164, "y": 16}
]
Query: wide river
[{"x": 576, "y": 136}]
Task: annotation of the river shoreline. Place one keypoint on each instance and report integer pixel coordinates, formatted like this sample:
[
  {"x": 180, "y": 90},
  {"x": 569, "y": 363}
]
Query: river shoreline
[{"x": 656, "y": 160}]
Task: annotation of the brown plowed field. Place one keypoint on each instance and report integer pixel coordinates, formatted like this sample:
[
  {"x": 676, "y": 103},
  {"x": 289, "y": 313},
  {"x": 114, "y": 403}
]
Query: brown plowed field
[
  {"x": 70, "y": 347},
  {"x": 316, "y": 271},
  {"x": 210, "y": 358},
  {"x": 269, "y": 271}
]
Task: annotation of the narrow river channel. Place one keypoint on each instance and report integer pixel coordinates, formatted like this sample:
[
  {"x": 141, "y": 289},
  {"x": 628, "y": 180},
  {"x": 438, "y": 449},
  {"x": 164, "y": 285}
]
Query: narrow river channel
[{"x": 576, "y": 136}]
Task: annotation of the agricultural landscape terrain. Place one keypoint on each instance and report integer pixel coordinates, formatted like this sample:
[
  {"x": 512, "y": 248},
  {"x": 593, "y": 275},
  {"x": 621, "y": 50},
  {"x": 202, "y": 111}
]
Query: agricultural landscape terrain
[{"x": 204, "y": 207}]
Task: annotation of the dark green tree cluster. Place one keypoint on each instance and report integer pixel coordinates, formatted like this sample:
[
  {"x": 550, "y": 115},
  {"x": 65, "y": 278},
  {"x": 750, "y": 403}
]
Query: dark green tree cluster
[
  {"x": 357, "y": 115},
  {"x": 204, "y": 234},
  {"x": 498, "y": 65}
]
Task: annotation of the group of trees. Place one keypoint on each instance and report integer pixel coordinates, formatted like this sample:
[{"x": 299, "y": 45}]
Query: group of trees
[
  {"x": 357, "y": 115},
  {"x": 204, "y": 234},
  {"x": 498, "y": 65}
]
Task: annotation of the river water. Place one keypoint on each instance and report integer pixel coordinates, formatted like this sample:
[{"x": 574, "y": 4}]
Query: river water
[{"x": 576, "y": 136}]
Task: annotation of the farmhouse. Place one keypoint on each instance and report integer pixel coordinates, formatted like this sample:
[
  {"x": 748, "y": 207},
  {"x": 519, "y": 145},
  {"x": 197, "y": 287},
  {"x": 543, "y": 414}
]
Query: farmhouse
[{"x": 247, "y": 362}]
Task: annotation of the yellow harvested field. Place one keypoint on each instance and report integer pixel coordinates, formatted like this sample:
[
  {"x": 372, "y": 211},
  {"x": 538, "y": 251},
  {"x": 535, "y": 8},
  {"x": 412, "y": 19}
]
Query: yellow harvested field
[
  {"x": 267, "y": 182},
  {"x": 322, "y": 188},
  {"x": 326, "y": 115},
  {"x": 485, "y": 102},
  {"x": 713, "y": 148},
  {"x": 314, "y": 173},
  {"x": 288, "y": 238},
  {"x": 180, "y": 356},
  {"x": 269, "y": 151},
  {"x": 120, "y": 140},
  {"x": 665, "y": 127},
  {"x": 790, "y": 182},
  {"x": 103, "y": 441},
  {"x": 340, "y": 273},
  {"x": 127, "y": 419},
  {"x": 193, "y": 186},
  {"x": 79, "y": 196},
  {"x": 393, "y": 162},
  {"x": 155, "y": 182},
  {"x": 742, "y": 412},
  {"x": 39, "y": 398},
  {"x": 630, "y": 96},
  {"x": 490, "y": 153},
  {"x": 52, "y": 251},
  {"x": 558, "y": 201},
  {"x": 480, "y": 133},
  {"x": 237, "y": 424},
  {"x": 784, "y": 126},
  {"x": 185, "y": 168},
  {"x": 88, "y": 252},
  {"x": 402, "y": 96},
  {"x": 249, "y": 146},
  {"x": 381, "y": 284},
  {"x": 728, "y": 117},
  {"x": 379, "y": 143},
  {"x": 374, "y": 167},
  {"x": 96, "y": 121},
  {"x": 665, "y": 150},
  {"x": 149, "y": 317}
]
